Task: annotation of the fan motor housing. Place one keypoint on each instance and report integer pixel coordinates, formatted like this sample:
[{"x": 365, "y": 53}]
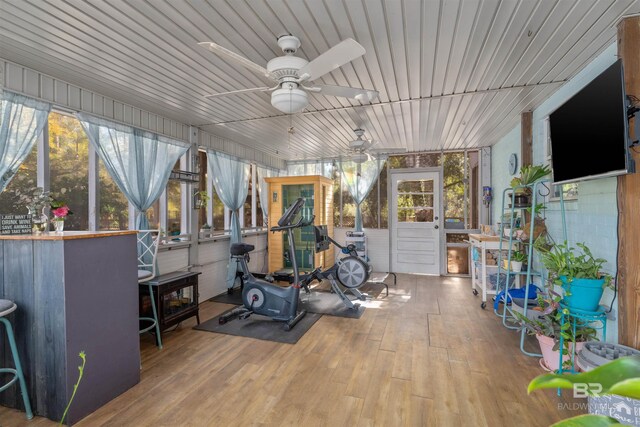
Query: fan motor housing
[{"x": 285, "y": 66}]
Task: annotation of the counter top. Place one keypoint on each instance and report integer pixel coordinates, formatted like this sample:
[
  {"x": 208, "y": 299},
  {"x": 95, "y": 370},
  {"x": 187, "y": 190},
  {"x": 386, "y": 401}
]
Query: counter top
[
  {"x": 67, "y": 235},
  {"x": 484, "y": 238}
]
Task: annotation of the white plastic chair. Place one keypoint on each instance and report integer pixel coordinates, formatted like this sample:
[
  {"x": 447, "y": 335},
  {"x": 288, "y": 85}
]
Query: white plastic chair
[{"x": 148, "y": 248}]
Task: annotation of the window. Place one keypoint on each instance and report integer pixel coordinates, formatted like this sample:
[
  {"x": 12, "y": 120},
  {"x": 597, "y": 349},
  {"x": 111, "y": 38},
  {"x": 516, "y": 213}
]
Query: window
[
  {"x": 174, "y": 205},
  {"x": 384, "y": 206},
  {"x": 454, "y": 189},
  {"x": 248, "y": 201},
  {"x": 259, "y": 217},
  {"x": 114, "y": 207},
  {"x": 218, "y": 212},
  {"x": 24, "y": 181},
  {"x": 337, "y": 198},
  {"x": 461, "y": 176},
  {"x": 69, "y": 168},
  {"x": 415, "y": 201}
]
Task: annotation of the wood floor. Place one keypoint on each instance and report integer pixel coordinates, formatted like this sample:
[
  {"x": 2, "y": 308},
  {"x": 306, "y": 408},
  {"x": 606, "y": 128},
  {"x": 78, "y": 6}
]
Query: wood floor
[{"x": 427, "y": 355}]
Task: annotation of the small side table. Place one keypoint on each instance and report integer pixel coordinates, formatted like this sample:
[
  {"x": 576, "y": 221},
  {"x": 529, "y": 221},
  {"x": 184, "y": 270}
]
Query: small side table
[{"x": 176, "y": 297}]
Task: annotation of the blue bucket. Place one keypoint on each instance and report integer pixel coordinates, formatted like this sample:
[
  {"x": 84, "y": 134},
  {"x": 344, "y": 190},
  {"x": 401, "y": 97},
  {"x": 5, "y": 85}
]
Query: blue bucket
[{"x": 585, "y": 293}]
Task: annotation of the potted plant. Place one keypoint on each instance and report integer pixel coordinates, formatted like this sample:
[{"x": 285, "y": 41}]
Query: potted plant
[
  {"x": 200, "y": 199},
  {"x": 205, "y": 230},
  {"x": 545, "y": 324},
  {"x": 578, "y": 273},
  {"x": 528, "y": 175},
  {"x": 534, "y": 213},
  {"x": 60, "y": 211},
  {"x": 517, "y": 258}
]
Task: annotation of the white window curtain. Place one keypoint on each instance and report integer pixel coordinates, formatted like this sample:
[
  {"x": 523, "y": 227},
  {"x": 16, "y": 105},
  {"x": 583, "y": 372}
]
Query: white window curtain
[
  {"x": 263, "y": 190},
  {"x": 359, "y": 179},
  {"x": 231, "y": 180},
  {"x": 21, "y": 122},
  {"x": 139, "y": 162}
]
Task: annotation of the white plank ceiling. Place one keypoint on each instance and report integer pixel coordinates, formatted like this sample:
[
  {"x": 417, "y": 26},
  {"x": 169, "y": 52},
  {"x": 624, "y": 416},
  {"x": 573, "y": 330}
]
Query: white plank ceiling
[{"x": 436, "y": 64}]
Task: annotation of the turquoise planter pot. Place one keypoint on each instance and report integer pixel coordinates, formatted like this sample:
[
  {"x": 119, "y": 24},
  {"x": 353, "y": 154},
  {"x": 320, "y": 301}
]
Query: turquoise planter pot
[{"x": 585, "y": 293}]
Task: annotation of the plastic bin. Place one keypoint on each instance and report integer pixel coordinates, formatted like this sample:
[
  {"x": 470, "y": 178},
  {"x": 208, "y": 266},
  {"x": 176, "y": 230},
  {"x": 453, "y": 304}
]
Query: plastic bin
[{"x": 623, "y": 409}]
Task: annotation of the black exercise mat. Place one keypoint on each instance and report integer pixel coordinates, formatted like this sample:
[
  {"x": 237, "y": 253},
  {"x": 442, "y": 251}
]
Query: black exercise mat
[
  {"x": 225, "y": 298},
  {"x": 328, "y": 303},
  {"x": 261, "y": 327}
]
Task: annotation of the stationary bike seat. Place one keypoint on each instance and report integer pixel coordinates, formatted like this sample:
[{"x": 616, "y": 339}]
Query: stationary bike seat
[{"x": 241, "y": 248}]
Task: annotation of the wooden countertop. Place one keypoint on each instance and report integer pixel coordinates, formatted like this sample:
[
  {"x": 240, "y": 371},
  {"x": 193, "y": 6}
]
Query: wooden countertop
[
  {"x": 484, "y": 238},
  {"x": 67, "y": 235}
]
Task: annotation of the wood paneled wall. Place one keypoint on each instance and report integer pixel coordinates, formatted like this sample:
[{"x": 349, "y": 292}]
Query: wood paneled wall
[{"x": 628, "y": 278}]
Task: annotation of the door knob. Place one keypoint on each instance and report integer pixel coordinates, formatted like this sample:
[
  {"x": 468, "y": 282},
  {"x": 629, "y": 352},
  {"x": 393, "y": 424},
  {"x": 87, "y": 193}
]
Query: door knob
[
  {"x": 436, "y": 227},
  {"x": 436, "y": 218}
]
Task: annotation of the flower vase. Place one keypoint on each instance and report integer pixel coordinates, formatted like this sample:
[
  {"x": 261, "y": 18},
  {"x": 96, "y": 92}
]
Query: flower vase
[
  {"x": 58, "y": 225},
  {"x": 40, "y": 222}
]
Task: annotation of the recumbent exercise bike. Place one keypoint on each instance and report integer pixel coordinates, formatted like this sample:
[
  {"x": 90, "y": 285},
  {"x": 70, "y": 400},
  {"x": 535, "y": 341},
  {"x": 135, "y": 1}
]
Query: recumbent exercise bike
[
  {"x": 350, "y": 271},
  {"x": 261, "y": 297}
]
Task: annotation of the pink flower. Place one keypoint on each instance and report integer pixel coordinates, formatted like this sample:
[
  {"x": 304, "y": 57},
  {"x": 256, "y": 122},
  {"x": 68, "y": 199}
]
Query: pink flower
[{"x": 60, "y": 212}]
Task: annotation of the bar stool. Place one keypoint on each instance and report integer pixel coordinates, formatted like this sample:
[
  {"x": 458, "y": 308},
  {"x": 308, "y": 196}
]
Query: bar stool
[
  {"x": 7, "y": 307},
  {"x": 148, "y": 249}
]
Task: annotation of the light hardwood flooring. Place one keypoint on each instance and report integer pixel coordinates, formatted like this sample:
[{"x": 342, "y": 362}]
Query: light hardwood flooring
[{"x": 427, "y": 355}]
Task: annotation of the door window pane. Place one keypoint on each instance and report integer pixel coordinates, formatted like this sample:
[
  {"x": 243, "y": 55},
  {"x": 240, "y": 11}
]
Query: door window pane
[
  {"x": 69, "y": 165},
  {"x": 415, "y": 215},
  {"x": 417, "y": 186}
]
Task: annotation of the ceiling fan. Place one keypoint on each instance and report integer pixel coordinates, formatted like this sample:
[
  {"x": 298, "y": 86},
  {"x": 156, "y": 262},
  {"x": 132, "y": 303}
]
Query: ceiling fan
[
  {"x": 362, "y": 149},
  {"x": 289, "y": 72}
]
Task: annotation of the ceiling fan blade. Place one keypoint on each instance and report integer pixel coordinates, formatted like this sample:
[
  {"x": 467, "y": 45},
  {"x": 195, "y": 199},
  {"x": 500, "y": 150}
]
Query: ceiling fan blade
[
  {"x": 363, "y": 95},
  {"x": 239, "y": 92},
  {"x": 345, "y": 51},
  {"x": 227, "y": 54}
]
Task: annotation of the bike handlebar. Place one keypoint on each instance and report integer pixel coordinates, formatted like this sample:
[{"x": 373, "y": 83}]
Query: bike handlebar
[{"x": 301, "y": 223}]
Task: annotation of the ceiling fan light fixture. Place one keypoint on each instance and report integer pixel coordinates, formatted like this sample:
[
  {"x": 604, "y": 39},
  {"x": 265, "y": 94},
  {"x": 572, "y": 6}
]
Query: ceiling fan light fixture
[
  {"x": 289, "y": 101},
  {"x": 359, "y": 158}
]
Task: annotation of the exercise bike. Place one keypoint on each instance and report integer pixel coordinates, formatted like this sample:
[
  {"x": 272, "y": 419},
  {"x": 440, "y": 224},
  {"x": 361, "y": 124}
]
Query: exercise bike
[
  {"x": 261, "y": 297},
  {"x": 350, "y": 271}
]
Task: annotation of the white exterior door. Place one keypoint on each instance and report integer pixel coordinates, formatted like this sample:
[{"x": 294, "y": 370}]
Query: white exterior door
[{"x": 414, "y": 214}]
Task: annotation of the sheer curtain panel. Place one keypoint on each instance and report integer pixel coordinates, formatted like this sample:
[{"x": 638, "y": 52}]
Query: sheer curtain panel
[
  {"x": 359, "y": 179},
  {"x": 231, "y": 180},
  {"x": 21, "y": 122},
  {"x": 139, "y": 162},
  {"x": 263, "y": 189}
]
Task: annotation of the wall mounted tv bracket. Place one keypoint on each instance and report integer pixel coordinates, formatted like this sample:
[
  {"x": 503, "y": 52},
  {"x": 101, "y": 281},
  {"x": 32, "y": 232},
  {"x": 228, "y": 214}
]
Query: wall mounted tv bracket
[{"x": 633, "y": 108}]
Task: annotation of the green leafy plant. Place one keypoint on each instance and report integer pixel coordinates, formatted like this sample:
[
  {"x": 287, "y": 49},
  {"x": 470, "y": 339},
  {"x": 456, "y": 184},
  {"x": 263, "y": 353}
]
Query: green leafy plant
[
  {"x": 536, "y": 210},
  {"x": 518, "y": 256},
  {"x": 201, "y": 199},
  {"x": 530, "y": 174},
  {"x": 76, "y": 385},
  {"x": 36, "y": 200},
  {"x": 620, "y": 377},
  {"x": 548, "y": 322},
  {"x": 565, "y": 261}
]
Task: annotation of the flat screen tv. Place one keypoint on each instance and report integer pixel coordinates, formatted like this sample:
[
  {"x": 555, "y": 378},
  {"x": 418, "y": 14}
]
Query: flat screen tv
[{"x": 589, "y": 137}]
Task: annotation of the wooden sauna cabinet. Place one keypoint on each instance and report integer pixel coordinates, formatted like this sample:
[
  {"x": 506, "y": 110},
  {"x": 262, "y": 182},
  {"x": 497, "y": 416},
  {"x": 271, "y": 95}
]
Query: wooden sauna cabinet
[{"x": 318, "y": 193}]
